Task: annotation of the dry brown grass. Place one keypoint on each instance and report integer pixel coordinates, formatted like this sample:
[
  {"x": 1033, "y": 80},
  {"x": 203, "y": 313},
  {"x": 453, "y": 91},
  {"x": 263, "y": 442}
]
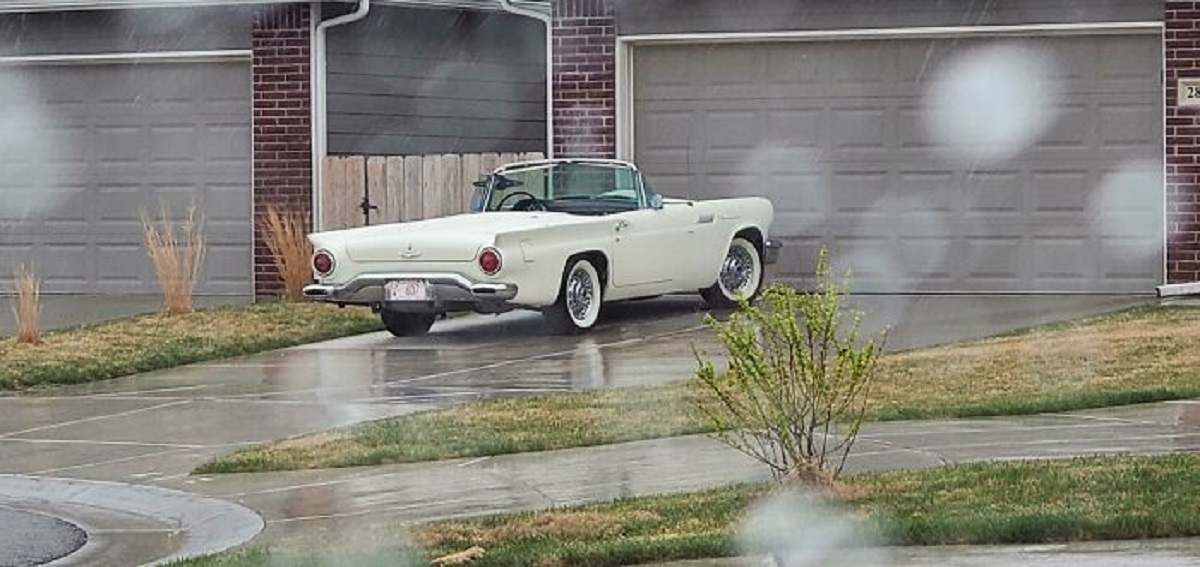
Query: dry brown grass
[
  {"x": 545, "y": 525},
  {"x": 27, "y": 305},
  {"x": 177, "y": 258},
  {"x": 150, "y": 342},
  {"x": 285, "y": 234},
  {"x": 1142, "y": 350}
]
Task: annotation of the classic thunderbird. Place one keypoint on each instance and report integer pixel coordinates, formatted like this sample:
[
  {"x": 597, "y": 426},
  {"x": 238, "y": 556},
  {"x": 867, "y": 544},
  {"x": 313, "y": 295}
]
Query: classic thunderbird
[{"x": 561, "y": 236}]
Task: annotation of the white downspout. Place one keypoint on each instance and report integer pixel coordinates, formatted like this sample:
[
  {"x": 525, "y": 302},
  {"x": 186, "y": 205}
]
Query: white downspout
[
  {"x": 507, "y": 6},
  {"x": 320, "y": 132}
]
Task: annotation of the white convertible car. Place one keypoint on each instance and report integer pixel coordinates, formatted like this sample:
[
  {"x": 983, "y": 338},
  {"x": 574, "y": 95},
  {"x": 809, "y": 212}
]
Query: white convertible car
[{"x": 561, "y": 236}]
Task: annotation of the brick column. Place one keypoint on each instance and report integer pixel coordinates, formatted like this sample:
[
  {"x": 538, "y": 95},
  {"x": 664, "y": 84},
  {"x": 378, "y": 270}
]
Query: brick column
[
  {"x": 1182, "y": 144},
  {"x": 282, "y": 132},
  {"x": 585, "y": 105}
]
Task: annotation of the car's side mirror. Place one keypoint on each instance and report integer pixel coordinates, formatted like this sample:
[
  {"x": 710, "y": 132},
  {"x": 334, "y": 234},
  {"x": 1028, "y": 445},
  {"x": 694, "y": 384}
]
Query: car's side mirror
[{"x": 656, "y": 201}]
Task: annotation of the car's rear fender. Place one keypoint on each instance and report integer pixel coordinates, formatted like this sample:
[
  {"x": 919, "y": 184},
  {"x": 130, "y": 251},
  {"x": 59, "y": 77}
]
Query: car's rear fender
[{"x": 535, "y": 258}]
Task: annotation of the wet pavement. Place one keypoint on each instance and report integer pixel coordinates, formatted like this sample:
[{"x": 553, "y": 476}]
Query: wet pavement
[{"x": 153, "y": 429}]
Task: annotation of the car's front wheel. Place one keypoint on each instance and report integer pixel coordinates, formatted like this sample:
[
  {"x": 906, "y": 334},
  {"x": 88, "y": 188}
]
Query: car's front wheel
[
  {"x": 579, "y": 298},
  {"x": 741, "y": 274},
  {"x": 407, "y": 324}
]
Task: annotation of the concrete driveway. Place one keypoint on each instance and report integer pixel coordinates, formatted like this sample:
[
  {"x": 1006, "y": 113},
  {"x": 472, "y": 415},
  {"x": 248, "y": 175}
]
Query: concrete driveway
[{"x": 153, "y": 429}]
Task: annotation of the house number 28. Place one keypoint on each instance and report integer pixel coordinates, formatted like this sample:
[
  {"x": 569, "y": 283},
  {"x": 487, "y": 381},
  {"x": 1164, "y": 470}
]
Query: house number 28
[{"x": 1189, "y": 92}]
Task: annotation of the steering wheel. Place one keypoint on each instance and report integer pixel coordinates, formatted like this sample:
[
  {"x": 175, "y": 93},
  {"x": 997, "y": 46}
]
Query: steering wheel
[{"x": 533, "y": 203}]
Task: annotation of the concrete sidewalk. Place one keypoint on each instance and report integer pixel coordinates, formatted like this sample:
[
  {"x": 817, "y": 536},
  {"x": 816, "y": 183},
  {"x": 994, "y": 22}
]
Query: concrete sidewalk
[{"x": 329, "y": 507}]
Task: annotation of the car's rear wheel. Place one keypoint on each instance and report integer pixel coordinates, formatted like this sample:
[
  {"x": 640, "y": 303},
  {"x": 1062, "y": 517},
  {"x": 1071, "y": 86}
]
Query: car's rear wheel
[
  {"x": 741, "y": 274},
  {"x": 579, "y": 298},
  {"x": 407, "y": 324}
]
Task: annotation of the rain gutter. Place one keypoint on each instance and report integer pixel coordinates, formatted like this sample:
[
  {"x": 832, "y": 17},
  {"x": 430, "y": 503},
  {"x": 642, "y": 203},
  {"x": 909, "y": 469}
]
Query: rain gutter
[
  {"x": 545, "y": 18},
  {"x": 320, "y": 138}
]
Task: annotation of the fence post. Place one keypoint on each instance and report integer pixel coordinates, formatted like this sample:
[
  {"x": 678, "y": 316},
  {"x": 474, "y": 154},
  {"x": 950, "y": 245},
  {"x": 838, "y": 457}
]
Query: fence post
[
  {"x": 413, "y": 171},
  {"x": 393, "y": 200}
]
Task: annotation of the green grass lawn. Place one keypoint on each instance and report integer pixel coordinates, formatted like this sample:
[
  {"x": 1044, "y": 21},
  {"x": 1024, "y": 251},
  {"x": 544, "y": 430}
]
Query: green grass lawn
[
  {"x": 1016, "y": 502},
  {"x": 1097, "y": 498},
  {"x": 153, "y": 342},
  {"x": 1141, "y": 355}
]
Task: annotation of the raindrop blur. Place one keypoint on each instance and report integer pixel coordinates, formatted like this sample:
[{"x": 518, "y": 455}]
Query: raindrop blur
[
  {"x": 796, "y": 529},
  {"x": 990, "y": 103},
  {"x": 1127, "y": 210},
  {"x": 29, "y": 185}
]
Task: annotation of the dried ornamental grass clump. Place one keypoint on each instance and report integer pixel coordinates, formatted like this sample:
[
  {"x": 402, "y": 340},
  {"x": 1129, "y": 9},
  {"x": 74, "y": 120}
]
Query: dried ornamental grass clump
[
  {"x": 27, "y": 305},
  {"x": 177, "y": 256},
  {"x": 287, "y": 239}
]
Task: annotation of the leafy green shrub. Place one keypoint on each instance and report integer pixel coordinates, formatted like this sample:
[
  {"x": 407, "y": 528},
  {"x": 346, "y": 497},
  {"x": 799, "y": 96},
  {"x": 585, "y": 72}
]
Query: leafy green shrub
[{"x": 798, "y": 379}]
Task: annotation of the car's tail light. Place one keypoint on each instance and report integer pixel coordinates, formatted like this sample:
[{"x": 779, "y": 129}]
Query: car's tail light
[
  {"x": 322, "y": 263},
  {"x": 490, "y": 261}
]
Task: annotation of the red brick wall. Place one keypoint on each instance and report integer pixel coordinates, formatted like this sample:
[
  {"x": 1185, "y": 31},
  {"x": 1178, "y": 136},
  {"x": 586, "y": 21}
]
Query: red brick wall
[
  {"x": 1182, "y": 144},
  {"x": 282, "y": 134},
  {"x": 584, "y": 79}
]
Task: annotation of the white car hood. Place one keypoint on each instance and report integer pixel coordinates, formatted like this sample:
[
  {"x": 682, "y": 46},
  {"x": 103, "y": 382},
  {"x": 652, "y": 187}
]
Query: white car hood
[{"x": 448, "y": 239}]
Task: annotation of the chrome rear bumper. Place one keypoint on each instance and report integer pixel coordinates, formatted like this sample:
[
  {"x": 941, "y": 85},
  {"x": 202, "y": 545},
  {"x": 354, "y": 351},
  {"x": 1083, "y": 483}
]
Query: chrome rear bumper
[{"x": 449, "y": 291}]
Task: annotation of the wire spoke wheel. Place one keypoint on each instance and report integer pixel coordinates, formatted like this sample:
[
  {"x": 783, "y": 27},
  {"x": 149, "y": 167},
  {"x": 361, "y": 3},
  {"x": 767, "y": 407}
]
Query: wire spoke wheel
[
  {"x": 737, "y": 272},
  {"x": 580, "y": 294},
  {"x": 579, "y": 299},
  {"x": 741, "y": 273}
]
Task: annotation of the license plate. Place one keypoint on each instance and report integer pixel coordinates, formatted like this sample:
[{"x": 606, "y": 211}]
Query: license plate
[{"x": 406, "y": 290}]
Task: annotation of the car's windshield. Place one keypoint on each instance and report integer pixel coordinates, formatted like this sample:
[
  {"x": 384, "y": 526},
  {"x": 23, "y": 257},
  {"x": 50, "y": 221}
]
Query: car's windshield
[{"x": 581, "y": 188}]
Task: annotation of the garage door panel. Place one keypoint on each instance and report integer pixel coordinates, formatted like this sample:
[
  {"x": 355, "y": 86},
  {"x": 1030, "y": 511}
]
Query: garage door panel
[
  {"x": 1128, "y": 258},
  {"x": 225, "y": 267},
  {"x": 1127, "y": 125},
  {"x": 836, "y": 132},
  {"x": 118, "y": 139},
  {"x": 991, "y": 259},
  {"x": 1064, "y": 260},
  {"x": 857, "y": 192},
  {"x": 794, "y": 192},
  {"x": 113, "y": 268},
  {"x": 1061, "y": 191},
  {"x": 860, "y": 127}
]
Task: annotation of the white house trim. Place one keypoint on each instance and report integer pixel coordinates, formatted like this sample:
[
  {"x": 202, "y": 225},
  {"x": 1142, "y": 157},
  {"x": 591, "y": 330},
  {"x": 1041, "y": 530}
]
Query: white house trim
[
  {"x": 129, "y": 57},
  {"x": 900, "y": 33},
  {"x": 18, "y": 6}
]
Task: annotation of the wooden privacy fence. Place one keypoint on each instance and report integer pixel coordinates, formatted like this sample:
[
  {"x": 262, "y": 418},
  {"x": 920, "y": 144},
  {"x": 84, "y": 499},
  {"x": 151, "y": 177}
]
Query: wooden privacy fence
[{"x": 402, "y": 188}]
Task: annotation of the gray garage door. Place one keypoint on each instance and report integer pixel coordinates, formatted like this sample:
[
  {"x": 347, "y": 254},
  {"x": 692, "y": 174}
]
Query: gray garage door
[
  {"x": 837, "y": 134},
  {"x": 86, "y": 148}
]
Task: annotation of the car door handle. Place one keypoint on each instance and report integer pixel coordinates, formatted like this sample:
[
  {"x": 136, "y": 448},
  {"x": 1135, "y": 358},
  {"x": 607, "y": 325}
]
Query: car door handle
[{"x": 622, "y": 225}]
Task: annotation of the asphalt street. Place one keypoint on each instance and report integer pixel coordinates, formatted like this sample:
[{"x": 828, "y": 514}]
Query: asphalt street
[{"x": 33, "y": 539}]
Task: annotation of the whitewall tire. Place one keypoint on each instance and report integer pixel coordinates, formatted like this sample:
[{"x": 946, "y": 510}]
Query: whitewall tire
[
  {"x": 741, "y": 273},
  {"x": 579, "y": 299}
]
